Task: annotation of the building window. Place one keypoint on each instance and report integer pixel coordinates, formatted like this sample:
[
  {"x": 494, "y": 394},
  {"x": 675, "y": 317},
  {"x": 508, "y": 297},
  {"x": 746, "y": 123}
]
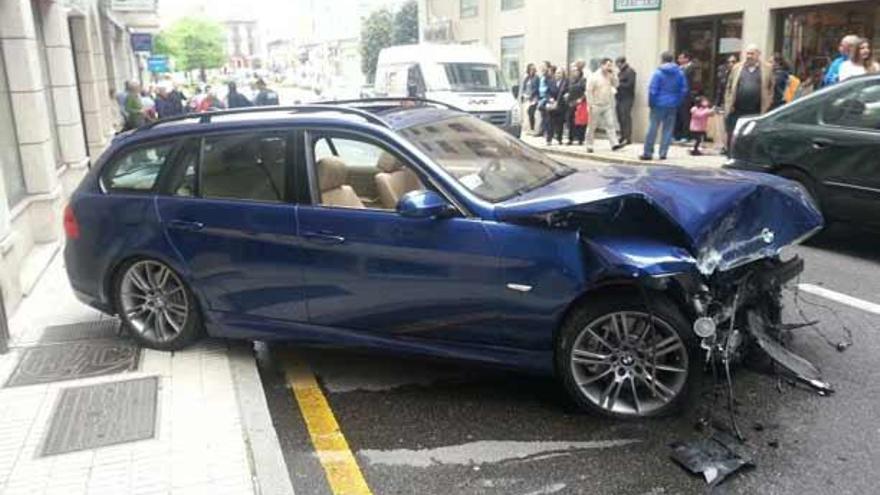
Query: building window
[
  {"x": 593, "y": 44},
  {"x": 512, "y": 4},
  {"x": 468, "y": 8},
  {"x": 511, "y": 57},
  {"x": 10, "y": 161},
  {"x": 47, "y": 84}
]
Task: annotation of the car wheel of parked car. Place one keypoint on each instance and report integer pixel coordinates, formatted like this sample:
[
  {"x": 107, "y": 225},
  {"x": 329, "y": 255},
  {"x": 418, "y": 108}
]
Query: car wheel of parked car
[
  {"x": 156, "y": 306},
  {"x": 614, "y": 361}
]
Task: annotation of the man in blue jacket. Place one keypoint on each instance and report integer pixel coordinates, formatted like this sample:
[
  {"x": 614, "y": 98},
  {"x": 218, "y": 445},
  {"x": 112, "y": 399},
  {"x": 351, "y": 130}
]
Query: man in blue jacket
[
  {"x": 832, "y": 75},
  {"x": 667, "y": 90}
]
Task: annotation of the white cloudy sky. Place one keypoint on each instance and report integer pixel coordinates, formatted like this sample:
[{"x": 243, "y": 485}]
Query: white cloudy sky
[{"x": 276, "y": 17}]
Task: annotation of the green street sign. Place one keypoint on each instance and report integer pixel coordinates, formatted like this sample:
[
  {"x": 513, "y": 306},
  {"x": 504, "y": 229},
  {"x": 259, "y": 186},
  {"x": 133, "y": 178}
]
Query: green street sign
[{"x": 636, "y": 5}]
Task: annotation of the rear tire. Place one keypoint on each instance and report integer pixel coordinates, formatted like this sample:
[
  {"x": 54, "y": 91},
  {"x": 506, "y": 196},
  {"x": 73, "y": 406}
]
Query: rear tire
[
  {"x": 156, "y": 307},
  {"x": 613, "y": 362}
]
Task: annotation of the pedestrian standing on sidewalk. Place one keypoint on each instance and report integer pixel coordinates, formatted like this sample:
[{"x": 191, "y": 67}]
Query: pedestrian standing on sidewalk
[
  {"x": 700, "y": 114},
  {"x": 550, "y": 104},
  {"x": 601, "y": 94},
  {"x": 844, "y": 50},
  {"x": 528, "y": 94},
  {"x": 626, "y": 94},
  {"x": 541, "y": 91},
  {"x": 721, "y": 75},
  {"x": 577, "y": 88},
  {"x": 781, "y": 76},
  {"x": 133, "y": 107},
  {"x": 749, "y": 89},
  {"x": 861, "y": 61},
  {"x": 667, "y": 90},
  {"x": 265, "y": 96},
  {"x": 558, "y": 116},
  {"x": 682, "y": 121}
]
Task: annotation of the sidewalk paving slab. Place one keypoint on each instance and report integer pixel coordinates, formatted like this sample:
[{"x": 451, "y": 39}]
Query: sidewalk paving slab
[
  {"x": 203, "y": 432},
  {"x": 629, "y": 155}
]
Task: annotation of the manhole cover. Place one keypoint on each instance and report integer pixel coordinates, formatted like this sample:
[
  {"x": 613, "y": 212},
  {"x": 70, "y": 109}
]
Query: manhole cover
[
  {"x": 96, "y": 329},
  {"x": 81, "y": 359},
  {"x": 104, "y": 414}
]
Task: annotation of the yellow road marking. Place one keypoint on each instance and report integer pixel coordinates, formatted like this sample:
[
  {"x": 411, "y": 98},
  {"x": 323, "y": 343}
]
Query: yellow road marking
[{"x": 343, "y": 473}]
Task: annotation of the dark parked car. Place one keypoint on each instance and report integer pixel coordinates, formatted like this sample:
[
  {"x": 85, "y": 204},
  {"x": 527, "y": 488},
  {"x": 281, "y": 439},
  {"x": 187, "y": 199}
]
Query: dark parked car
[
  {"x": 828, "y": 141},
  {"x": 418, "y": 229}
]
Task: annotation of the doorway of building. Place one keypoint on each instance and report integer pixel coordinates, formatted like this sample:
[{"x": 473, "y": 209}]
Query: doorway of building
[{"x": 709, "y": 40}]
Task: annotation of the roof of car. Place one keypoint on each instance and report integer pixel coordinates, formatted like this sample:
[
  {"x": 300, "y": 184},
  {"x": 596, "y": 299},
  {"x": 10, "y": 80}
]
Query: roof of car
[{"x": 394, "y": 114}]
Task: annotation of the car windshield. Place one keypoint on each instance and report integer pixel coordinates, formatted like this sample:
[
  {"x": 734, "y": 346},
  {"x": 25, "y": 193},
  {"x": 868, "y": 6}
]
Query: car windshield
[
  {"x": 486, "y": 160},
  {"x": 474, "y": 77}
]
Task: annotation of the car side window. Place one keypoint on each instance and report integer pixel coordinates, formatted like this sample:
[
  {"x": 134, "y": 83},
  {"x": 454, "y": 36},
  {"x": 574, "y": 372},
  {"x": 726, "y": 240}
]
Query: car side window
[
  {"x": 859, "y": 108},
  {"x": 138, "y": 169},
  {"x": 250, "y": 166},
  {"x": 356, "y": 173}
]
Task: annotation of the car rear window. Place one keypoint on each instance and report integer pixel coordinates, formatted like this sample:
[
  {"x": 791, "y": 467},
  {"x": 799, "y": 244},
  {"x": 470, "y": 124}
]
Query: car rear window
[{"x": 138, "y": 169}]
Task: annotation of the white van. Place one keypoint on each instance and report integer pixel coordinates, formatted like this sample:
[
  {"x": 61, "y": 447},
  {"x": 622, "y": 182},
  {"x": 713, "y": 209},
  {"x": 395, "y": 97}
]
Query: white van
[{"x": 465, "y": 76}]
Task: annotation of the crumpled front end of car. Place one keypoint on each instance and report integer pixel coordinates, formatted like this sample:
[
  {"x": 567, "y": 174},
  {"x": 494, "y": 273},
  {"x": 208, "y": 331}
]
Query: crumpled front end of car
[{"x": 714, "y": 239}]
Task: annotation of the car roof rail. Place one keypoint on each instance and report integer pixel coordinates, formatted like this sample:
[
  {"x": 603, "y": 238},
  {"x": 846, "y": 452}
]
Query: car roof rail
[
  {"x": 205, "y": 117},
  {"x": 389, "y": 99}
]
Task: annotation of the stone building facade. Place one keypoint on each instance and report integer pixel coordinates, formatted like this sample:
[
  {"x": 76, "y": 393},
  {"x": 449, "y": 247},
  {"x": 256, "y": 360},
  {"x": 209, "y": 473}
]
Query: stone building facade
[
  {"x": 59, "y": 62},
  {"x": 806, "y": 32}
]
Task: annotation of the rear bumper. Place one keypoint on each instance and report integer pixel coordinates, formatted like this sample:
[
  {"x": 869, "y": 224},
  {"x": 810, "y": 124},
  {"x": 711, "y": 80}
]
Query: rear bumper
[{"x": 83, "y": 274}]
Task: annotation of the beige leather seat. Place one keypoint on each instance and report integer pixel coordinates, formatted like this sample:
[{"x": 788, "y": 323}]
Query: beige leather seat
[
  {"x": 394, "y": 180},
  {"x": 332, "y": 178}
]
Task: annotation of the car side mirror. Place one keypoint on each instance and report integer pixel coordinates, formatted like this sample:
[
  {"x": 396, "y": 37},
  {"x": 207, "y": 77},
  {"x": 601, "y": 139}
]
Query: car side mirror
[
  {"x": 423, "y": 204},
  {"x": 515, "y": 91}
]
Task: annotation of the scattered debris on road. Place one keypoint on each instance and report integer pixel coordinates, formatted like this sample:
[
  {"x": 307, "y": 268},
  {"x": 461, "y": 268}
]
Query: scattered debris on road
[{"x": 713, "y": 457}]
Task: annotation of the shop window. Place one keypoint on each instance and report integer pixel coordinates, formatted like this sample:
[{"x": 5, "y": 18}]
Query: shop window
[
  {"x": 710, "y": 41},
  {"x": 594, "y": 44},
  {"x": 511, "y": 57},
  {"x": 10, "y": 161},
  {"x": 808, "y": 37},
  {"x": 468, "y": 8}
]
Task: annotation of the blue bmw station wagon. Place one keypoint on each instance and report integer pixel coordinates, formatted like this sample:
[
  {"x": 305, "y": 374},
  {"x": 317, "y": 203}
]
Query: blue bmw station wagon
[{"x": 410, "y": 227}]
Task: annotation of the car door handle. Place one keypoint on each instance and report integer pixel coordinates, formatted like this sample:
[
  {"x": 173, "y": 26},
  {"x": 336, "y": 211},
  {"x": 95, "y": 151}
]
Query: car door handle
[
  {"x": 185, "y": 225},
  {"x": 820, "y": 143},
  {"x": 324, "y": 237}
]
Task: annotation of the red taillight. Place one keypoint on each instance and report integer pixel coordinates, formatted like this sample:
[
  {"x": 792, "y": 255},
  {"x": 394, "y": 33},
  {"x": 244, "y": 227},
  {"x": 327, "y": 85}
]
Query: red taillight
[{"x": 71, "y": 226}]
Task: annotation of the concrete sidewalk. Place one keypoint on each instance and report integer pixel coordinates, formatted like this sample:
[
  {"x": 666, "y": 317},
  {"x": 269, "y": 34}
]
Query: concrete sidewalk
[
  {"x": 208, "y": 428},
  {"x": 678, "y": 154}
]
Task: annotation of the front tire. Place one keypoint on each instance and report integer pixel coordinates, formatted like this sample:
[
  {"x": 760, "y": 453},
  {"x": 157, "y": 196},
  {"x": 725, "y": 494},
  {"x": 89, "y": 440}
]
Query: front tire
[
  {"x": 156, "y": 306},
  {"x": 613, "y": 362}
]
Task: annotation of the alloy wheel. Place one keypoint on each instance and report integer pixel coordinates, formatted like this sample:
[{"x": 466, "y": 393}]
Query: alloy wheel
[
  {"x": 154, "y": 301},
  {"x": 624, "y": 364}
]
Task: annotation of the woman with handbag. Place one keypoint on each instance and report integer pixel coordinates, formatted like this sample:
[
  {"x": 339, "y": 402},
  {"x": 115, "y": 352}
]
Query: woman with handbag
[{"x": 577, "y": 101}]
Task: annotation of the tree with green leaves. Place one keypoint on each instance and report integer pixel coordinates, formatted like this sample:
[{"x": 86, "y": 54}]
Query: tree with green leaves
[
  {"x": 405, "y": 30},
  {"x": 193, "y": 44},
  {"x": 375, "y": 35}
]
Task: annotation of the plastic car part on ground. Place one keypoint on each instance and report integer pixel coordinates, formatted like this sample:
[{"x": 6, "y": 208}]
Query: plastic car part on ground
[{"x": 713, "y": 457}]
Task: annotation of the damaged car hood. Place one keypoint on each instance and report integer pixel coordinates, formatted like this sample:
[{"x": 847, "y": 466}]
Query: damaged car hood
[{"x": 727, "y": 218}]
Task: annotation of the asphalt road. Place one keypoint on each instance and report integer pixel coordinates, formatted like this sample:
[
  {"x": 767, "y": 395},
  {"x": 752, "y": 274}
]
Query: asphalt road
[{"x": 422, "y": 427}]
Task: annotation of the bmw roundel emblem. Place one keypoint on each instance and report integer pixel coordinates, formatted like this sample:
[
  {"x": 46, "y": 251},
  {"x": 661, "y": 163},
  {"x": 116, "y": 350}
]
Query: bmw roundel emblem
[{"x": 767, "y": 235}]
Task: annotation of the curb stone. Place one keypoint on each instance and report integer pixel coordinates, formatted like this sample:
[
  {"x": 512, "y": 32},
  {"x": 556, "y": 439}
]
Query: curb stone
[{"x": 268, "y": 468}]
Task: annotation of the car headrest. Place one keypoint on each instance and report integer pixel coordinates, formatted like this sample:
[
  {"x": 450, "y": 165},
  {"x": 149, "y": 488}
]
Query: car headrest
[
  {"x": 388, "y": 163},
  {"x": 332, "y": 173}
]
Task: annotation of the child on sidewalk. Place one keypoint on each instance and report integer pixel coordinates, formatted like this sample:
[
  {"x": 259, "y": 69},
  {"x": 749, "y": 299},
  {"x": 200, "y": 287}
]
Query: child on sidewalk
[{"x": 699, "y": 122}]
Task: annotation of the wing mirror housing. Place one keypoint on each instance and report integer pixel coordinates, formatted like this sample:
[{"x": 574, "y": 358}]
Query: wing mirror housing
[{"x": 423, "y": 204}]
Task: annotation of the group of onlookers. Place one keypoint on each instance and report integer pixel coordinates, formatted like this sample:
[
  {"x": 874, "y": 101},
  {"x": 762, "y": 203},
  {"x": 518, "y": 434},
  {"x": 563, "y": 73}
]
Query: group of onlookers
[
  {"x": 582, "y": 101},
  {"x": 679, "y": 108},
  {"x": 138, "y": 106}
]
